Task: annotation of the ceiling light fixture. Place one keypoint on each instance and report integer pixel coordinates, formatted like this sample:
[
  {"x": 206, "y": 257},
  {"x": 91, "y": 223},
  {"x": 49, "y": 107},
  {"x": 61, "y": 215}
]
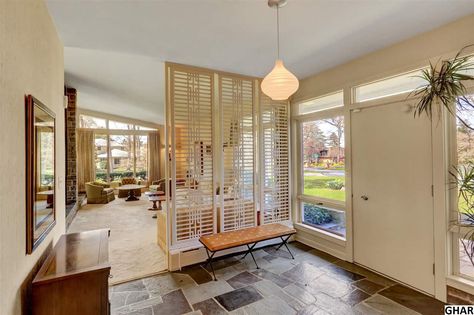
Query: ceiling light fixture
[{"x": 280, "y": 83}]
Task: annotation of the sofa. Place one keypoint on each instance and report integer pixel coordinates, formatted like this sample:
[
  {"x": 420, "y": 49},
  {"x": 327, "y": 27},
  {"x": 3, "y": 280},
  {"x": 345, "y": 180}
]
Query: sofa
[
  {"x": 129, "y": 181},
  {"x": 98, "y": 192}
]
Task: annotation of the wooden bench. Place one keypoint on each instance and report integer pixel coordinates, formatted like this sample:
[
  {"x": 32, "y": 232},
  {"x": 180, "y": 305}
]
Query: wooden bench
[{"x": 249, "y": 237}]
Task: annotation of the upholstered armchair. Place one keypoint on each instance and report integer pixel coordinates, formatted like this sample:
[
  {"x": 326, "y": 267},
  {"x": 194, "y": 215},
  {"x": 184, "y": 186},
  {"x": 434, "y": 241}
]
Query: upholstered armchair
[
  {"x": 99, "y": 192},
  {"x": 129, "y": 181},
  {"x": 160, "y": 185}
]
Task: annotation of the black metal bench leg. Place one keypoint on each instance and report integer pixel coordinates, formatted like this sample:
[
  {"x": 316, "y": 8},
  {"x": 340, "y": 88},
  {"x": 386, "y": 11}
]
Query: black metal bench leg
[
  {"x": 251, "y": 254},
  {"x": 279, "y": 246},
  {"x": 209, "y": 261},
  {"x": 246, "y": 253},
  {"x": 284, "y": 242}
]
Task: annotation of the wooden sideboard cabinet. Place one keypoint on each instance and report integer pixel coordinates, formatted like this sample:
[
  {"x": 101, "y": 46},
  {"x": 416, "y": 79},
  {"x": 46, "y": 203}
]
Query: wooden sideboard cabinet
[{"x": 74, "y": 278}]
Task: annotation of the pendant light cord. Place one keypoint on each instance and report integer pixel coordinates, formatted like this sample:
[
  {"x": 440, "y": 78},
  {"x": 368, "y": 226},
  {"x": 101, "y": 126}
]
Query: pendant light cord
[{"x": 278, "y": 31}]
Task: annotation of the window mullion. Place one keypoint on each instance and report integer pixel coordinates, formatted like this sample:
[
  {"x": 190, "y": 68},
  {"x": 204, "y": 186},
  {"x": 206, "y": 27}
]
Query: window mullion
[{"x": 134, "y": 151}]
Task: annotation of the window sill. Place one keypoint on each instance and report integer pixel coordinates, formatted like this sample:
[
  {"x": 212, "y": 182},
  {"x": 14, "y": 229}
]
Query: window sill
[
  {"x": 461, "y": 283},
  {"x": 320, "y": 233},
  {"x": 331, "y": 203}
]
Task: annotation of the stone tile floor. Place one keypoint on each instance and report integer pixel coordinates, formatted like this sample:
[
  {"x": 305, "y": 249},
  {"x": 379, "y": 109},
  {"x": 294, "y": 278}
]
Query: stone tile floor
[{"x": 313, "y": 283}]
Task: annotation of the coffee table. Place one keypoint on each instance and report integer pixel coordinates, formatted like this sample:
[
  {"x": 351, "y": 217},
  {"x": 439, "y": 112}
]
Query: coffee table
[{"x": 131, "y": 191}]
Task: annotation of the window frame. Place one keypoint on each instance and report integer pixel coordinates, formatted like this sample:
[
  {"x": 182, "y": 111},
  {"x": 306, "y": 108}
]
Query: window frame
[
  {"x": 135, "y": 126},
  {"x": 301, "y": 198},
  {"x": 387, "y": 97},
  {"x": 454, "y": 231},
  {"x": 135, "y": 132},
  {"x": 298, "y": 104}
]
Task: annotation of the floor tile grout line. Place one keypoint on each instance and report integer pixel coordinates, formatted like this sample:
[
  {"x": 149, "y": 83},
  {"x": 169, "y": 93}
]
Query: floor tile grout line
[
  {"x": 326, "y": 271},
  {"x": 404, "y": 306},
  {"x": 219, "y": 304}
]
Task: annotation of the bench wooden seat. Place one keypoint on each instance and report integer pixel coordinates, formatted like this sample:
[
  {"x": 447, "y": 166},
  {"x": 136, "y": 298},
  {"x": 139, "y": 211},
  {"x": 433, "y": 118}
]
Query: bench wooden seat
[{"x": 245, "y": 237}]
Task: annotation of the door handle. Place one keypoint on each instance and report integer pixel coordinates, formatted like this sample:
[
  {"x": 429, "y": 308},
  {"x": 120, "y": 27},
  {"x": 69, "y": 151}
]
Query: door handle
[{"x": 364, "y": 197}]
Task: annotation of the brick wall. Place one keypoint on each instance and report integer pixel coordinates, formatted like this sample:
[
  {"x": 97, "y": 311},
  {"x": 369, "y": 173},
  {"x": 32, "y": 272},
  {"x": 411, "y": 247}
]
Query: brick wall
[
  {"x": 70, "y": 119},
  {"x": 459, "y": 297}
]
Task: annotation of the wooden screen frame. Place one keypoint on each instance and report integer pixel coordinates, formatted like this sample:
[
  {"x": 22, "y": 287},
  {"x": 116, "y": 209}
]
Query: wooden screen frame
[{"x": 218, "y": 143}]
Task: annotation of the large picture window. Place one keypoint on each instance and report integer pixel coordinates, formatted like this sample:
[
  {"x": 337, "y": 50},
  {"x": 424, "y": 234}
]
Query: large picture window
[
  {"x": 463, "y": 158},
  {"x": 323, "y": 158},
  {"x": 322, "y": 177},
  {"x": 141, "y": 153},
  {"x": 121, "y": 148}
]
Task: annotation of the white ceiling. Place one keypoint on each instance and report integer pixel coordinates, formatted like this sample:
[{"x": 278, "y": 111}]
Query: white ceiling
[{"x": 115, "y": 49}]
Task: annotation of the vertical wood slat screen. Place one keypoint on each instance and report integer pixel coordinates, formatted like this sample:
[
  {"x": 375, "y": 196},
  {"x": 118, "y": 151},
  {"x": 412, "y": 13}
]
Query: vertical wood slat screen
[
  {"x": 238, "y": 153},
  {"x": 275, "y": 205},
  {"x": 191, "y": 105}
]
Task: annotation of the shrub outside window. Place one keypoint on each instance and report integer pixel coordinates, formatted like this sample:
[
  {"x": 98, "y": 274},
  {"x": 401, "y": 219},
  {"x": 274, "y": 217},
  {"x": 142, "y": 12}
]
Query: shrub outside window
[{"x": 324, "y": 218}]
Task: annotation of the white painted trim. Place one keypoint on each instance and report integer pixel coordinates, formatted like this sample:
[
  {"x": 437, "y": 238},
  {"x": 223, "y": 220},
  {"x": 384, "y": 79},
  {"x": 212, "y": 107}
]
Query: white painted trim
[
  {"x": 323, "y": 202},
  {"x": 336, "y": 239},
  {"x": 315, "y": 242},
  {"x": 348, "y": 169},
  {"x": 461, "y": 283},
  {"x": 345, "y": 250},
  {"x": 440, "y": 200},
  {"x": 322, "y": 114}
]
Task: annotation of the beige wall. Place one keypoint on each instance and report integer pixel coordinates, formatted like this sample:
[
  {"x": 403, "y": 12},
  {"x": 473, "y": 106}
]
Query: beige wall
[
  {"x": 397, "y": 58},
  {"x": 31, "y": 62}
]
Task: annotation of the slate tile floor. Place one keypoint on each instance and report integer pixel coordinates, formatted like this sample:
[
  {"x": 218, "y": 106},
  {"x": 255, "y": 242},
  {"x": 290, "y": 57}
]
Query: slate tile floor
[{"x": 313, "y": 283}]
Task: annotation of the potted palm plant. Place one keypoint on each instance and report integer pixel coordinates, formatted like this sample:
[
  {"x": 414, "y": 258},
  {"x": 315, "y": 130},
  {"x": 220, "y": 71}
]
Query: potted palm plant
[{"x": 445, "y": 88}]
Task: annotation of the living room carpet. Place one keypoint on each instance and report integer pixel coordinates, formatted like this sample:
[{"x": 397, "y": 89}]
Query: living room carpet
[{"x": 133, "y": 249}]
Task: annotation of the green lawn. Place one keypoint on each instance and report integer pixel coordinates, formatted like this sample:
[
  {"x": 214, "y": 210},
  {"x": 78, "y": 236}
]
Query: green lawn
[{"x": 317, "y": 186}]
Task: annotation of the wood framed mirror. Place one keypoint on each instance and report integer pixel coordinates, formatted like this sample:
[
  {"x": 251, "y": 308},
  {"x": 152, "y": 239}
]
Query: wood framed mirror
[{"x": 40, "y": 172}]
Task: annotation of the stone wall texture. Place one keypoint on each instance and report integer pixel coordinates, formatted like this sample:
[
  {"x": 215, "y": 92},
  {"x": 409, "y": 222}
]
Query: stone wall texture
[{"x": 71, "y": 156}]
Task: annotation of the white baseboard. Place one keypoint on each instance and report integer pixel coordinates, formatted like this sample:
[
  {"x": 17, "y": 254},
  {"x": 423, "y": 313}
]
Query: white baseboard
[{"x": 322, "y": 245}]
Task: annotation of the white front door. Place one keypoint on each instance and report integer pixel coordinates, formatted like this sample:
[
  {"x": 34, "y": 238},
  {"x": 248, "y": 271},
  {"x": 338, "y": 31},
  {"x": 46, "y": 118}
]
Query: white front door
[{"x": 392, "y": 193}]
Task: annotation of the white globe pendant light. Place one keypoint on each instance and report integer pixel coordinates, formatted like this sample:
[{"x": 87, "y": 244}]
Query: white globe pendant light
[{"x": 280, "y": 83}]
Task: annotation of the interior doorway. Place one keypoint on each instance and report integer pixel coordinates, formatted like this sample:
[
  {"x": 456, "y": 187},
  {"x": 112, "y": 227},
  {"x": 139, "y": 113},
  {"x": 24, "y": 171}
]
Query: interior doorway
[
  {"x": 124, "y": 191},
  {"x": 392, "y": 193}
]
